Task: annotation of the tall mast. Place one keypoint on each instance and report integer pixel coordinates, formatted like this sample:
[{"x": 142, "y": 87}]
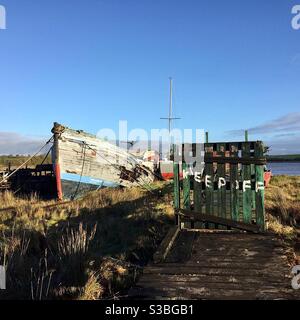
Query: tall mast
[
  {"x": 171, "y": 102},
  {"x": 170, "y": 117}
]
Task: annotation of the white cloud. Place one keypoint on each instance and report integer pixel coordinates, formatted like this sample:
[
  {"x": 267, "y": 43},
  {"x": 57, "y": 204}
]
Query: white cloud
[
  {"x": 15, "y": 143},
  {"x": 287, "y": 123},
  {"x": 284, "y": 145}
]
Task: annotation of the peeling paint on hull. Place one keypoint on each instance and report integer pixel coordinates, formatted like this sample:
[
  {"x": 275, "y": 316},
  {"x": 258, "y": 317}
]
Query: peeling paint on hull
[
  {"x": 75, "y": 186},
  {"x": 88, "y": 163}
]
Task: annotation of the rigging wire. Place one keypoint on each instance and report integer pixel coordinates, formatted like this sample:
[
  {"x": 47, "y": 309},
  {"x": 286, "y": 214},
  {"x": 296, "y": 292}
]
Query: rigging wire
[
  {"x": 116, "y": 166},
  {"x": 83, "y": 163},
  {"x": 45, "y": 158},
  {"x": 148, "y": 188},
  {"x": 29, "y": 159}
]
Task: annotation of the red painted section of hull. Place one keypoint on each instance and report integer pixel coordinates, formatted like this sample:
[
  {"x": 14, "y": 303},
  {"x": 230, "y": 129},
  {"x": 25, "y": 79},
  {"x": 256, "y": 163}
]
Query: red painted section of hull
[
  {"x": 267, "y": 178},
  {"x": 169, "y": 175},
  {"x": 58, "y": 181}
]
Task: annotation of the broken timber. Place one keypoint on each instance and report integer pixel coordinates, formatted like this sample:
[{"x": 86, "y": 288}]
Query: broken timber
[
  {"x": 206, "y": 218},
  {"x": 166, "y": 245}
]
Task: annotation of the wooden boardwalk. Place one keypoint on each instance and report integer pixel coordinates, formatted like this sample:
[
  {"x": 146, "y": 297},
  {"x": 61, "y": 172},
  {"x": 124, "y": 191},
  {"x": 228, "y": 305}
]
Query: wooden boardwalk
[{"x": 219, "y": 265}]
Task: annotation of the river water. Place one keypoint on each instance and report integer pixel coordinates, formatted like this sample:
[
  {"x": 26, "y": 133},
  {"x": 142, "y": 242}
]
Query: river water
[{"x": 284, "y": 168}]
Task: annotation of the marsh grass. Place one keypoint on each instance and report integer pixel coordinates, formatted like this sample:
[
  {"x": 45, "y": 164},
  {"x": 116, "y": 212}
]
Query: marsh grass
[
  {"x": 73, "y": 249},
  {"x": 93, "y": 289},
  {"x": 91, "y": 248},
  {"x": 96, "y": 247},
  {"x": 16, "y": 161},
  {"x": 283, "y": 205}
]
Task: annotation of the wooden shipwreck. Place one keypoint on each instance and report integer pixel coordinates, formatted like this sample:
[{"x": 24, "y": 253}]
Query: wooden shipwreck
[{"x": 81, "y": 162}]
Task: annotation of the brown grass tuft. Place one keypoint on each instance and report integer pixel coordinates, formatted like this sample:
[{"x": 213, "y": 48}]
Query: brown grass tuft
[
  {"x": 283, "y": 200},
  {"x": 78, "y": 238},
  {"x": 93, "y": 290}
]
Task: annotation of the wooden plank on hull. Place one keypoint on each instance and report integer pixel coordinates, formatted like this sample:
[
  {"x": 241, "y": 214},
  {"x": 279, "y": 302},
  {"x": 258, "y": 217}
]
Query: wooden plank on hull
[{"x": 87, "y": 156}]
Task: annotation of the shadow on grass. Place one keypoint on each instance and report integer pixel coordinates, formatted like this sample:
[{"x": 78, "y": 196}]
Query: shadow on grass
[{"x": 108, "y": 245}]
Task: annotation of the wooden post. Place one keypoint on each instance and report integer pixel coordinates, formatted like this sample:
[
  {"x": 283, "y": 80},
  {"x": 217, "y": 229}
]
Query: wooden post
[
  {"x": 55, "y": 150},
  {"x": 234, "y": 184},
  {"x": 209, "y": 185},
  {"x": 221, "y": 193},
  {"x": 176, "y": 182},
  {"x": 260, "y": 192},
  {"x": 252, "y": 169},
  {"x": 197, "y": 193},
  {"x": 247, "y": 192},
  {"x": 208, "y": 193},
  {"x": 206, "y": 137},
  {"x": 186, "y": 188}
]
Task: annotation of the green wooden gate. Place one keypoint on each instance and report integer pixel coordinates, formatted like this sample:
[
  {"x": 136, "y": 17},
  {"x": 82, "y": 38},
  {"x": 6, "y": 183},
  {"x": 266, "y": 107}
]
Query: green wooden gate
[{"x": 228, "y": 193}]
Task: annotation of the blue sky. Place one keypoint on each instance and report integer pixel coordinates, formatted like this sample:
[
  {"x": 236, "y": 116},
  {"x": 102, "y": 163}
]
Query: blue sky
[{"x": 89, "y": 64}]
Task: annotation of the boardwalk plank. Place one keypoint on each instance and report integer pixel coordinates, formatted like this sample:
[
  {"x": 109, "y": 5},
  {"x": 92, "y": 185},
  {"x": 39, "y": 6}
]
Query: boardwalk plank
[{"x": 208, "y": 265}]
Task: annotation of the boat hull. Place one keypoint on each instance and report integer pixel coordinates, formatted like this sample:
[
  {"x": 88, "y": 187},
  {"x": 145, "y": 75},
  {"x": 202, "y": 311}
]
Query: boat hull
[
  {"x": 74, "y": 185},
  {"x": 267, "y": 178},
  {"x": 85, "y": 163}
]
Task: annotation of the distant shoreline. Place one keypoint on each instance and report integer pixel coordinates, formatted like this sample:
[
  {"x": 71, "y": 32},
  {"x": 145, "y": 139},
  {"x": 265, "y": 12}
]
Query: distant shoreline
[{"x": 284, "y": 158}]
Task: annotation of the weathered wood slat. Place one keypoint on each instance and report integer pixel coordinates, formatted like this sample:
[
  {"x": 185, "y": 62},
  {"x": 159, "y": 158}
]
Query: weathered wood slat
[
  {"x": 260, "y": 193},
  {"x": 281, "y": 272},
  {"x": 186, "y": 187},
  {"x": 197, "y": 194},
  {"x": 86, "y": 155},
  {"x": 221, "y": 189},
  {"x": 209, "y": 188},
  {"x": 216, "y": 220},
  {"x": 200, "y": 293},
  {"x": 234, "y": 185},
  {"x": 196, "y": 284},
  {"x": 203, "y": 279},
  {"x": 176, "y": 182},
  {"x": 247, "y": 193},
  {"x": 227, "y": 267},
  {"x": 183, "y": 249},
  {"x": 166, "y": 245},
  {"x": 246, "y": 160},
  {"x": 225, "y": 274}
]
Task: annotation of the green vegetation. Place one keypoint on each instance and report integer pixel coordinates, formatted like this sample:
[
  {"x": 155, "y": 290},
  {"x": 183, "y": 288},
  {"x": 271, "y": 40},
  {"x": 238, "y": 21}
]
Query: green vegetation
[
  {"x": 90, "y": 248},
  {"x": 96, "y": 247},
  {"x": 17, "y": 160}
]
